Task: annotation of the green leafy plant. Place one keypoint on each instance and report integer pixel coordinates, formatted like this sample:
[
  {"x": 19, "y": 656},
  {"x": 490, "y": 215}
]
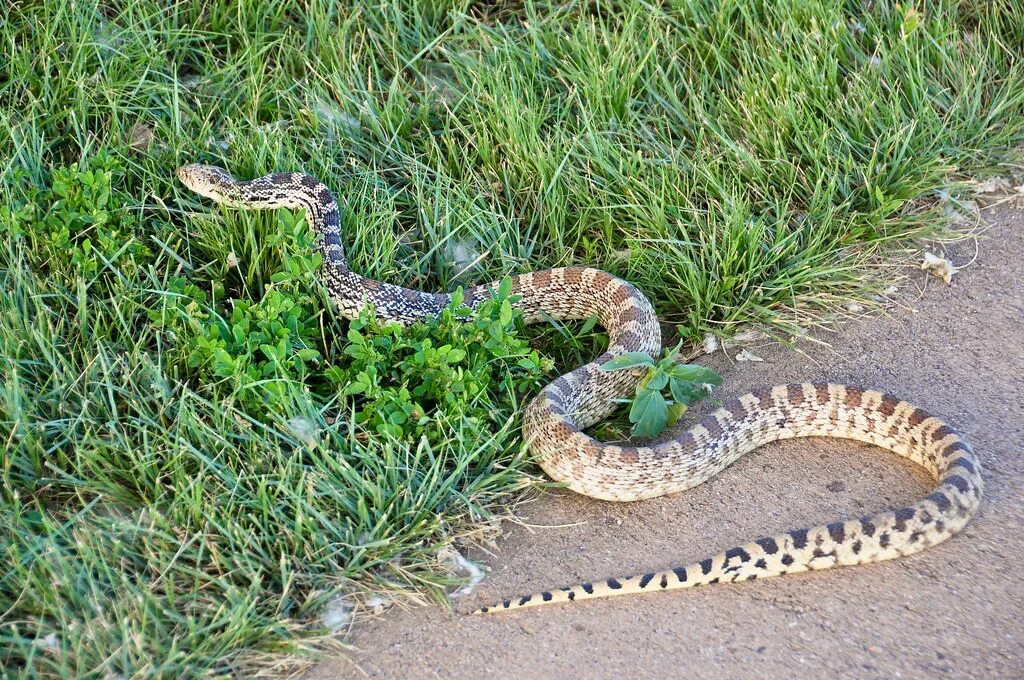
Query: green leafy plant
[
  {"x": 78, "y": 225},
  {"x": 651, "y": 411},
  {"x": 466, "y": 366},
  {"x": 454, "y": 367},
  {"x": 261, "y": 345}
]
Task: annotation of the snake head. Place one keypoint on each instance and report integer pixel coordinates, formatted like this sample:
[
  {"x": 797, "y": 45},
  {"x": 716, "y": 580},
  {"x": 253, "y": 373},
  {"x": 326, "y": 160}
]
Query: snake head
[{"x": 209, "y": 181}]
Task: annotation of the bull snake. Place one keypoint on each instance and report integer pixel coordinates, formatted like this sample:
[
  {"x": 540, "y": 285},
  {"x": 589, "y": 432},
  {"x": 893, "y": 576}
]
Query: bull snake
[{"x": 555, "y": 420}]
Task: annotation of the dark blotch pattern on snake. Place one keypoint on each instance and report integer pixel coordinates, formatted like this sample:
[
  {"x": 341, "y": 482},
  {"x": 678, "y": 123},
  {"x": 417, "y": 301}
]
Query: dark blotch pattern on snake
[{"x": 554, "y": 421}]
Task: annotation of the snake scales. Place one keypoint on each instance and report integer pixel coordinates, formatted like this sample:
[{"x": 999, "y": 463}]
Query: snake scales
[{"x": 554, "y": 421}]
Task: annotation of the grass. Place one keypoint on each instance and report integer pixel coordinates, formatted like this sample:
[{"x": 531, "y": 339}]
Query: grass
[{"x": 190, "y": 481}]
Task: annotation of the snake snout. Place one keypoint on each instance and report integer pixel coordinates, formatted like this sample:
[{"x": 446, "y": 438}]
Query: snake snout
[
  {"x": 206, "y": 180},
  {"x": 190, "y": 174}
]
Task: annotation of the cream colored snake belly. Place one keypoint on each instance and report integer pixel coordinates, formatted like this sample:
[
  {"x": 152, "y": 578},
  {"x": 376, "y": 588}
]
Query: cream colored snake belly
[{"x": 554, "y": 421}]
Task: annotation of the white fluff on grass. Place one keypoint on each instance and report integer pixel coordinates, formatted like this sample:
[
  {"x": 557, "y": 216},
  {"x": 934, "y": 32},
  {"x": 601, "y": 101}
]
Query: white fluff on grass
[
  {"x": 377, "y": 603},
  {"x": 459, "y": 564},
  {"x": 334, "y": 118},
  {"x": 337, "y": 614},
  {"x": 462, "y": 254},
  {"x": 993, "y": 185},
  {"x": 50, "y": 643},
  {"x": 304, "y": 430}
]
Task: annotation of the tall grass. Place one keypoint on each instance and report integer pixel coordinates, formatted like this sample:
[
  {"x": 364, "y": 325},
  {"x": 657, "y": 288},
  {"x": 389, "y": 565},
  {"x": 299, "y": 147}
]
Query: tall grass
[{"x": 166, "y": 511}]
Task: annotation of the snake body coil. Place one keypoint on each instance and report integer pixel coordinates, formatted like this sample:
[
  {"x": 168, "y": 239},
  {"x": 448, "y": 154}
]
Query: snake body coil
[{"x": 554, "y": 421}]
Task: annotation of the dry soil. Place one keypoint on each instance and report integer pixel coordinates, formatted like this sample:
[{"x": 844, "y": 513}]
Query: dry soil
[{"x": 952, "y": 611}]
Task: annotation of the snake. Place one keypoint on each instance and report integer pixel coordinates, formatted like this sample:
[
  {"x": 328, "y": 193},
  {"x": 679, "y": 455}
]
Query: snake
[{"x": 554, "y": 421}]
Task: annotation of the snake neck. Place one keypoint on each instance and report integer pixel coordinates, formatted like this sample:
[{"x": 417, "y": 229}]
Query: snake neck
[
  {"x": 350, "y": 292},
  {"x": 292, "y": 190},
  {"x": 300, "y": 191}
]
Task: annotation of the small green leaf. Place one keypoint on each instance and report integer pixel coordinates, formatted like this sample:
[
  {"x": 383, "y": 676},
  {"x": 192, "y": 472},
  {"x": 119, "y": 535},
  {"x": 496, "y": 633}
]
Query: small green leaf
[
  {"x": 695, "y": 373},
  {"x": 628, "y": 360},
  {"x": 308, "y": 354},
  {"x": 355, "y": 388},
  {"x": 911, "y": 20},
  {"x": 657, "y": 380},
  {"x": 673, "y": 353},
  {"x": 505, "y": 316},
  {"x": 685, "y": 392},
  {"x": 648, "y": 414},
  {"x": 675, "y": 412},
  {"x": 505, "y": 288}
]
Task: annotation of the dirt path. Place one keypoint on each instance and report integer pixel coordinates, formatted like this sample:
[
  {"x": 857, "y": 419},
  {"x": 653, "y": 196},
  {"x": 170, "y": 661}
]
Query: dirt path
[{"x": 955, "y": 611}]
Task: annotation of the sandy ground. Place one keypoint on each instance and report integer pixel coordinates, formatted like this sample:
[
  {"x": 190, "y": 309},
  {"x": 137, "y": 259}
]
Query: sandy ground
[{"x": 952, "y": 611}]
